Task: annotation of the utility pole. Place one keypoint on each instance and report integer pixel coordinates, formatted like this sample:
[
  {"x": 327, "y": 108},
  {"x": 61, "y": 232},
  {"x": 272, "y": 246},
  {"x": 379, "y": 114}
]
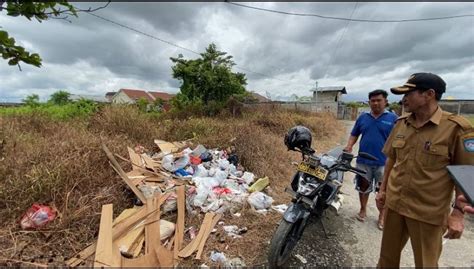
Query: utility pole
[{"x": 316, "y": 93}]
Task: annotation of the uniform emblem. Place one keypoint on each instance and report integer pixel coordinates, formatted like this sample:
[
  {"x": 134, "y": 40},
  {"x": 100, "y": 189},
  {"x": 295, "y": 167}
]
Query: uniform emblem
[{"x": 469, "y": 144}]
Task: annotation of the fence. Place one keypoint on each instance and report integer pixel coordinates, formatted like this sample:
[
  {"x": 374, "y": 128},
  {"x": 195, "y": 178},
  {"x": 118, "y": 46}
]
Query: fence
[{"x": 338, "y": 110}]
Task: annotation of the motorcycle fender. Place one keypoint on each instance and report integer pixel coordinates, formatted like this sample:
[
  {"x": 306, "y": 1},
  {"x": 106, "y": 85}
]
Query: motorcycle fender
[{"x": 295, "y": 212}]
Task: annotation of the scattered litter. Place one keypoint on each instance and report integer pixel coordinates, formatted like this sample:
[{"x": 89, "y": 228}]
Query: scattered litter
[
  {"x": 259, "y": 200},
  {"x": 248, "y": 177},
  {"x": 192, "y": 232},
  {"x": 301, "y": 259},
  {"x": 259, "y": 185},
  {"x": 235, "y": 262},
  {"x": 218, "y": 257},
  {"x": 234, "y": 231},
  {"x": 37, "y": 216},
  {"x": 280, "y": 208},
  {"x": 212, "y": 181}
]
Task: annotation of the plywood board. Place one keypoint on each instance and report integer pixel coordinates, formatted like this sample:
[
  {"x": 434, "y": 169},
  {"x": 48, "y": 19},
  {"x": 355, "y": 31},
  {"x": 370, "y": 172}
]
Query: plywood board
[
  {"x": 122, "y": 174},
  {"x": 104, "y": 253},
  {"x": 207, "y": 232},
  {"x": 194, "y": 244},
  {"x": 181, "y": 208},
  {"x": 118, "y": 230},
  {"x": 166, "y": 147},
  {"x": 134, "y": 158}
]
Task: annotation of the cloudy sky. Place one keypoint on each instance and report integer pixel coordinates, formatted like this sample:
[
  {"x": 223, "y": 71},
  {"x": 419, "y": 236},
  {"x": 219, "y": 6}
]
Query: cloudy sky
[{"x": 287, "y": 54}]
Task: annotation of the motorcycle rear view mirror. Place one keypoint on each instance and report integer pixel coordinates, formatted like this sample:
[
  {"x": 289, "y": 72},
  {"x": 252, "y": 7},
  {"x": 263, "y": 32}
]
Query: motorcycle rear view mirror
[{"x": 368, "y": 156}]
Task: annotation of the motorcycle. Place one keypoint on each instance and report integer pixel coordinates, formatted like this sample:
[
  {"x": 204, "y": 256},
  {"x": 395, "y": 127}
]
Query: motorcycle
[{"x": 315, "y": 188}]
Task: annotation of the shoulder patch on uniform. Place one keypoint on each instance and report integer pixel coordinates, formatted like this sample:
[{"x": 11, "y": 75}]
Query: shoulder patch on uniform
[
  {"x": 461, "y": 121},
  {"x": 469, "y": 144}
]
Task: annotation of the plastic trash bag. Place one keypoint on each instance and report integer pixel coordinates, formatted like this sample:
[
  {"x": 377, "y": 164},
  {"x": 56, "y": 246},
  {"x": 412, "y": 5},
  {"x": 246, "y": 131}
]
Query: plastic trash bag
[
  {"x": 259, "y": 200},
  {"x": 37, "y": 216},
  {"x": 200, "y": 171},
  {"x": 248, "y": 177},
  {"x": 170, "y": 164},
  {"x": 218, "y": 257}
]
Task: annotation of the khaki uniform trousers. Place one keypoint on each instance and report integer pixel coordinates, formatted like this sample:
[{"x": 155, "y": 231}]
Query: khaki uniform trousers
[{"x": 426, "y": 240}]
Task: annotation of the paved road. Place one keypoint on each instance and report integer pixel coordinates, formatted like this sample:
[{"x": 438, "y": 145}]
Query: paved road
[{"x": 352, "y": 243}]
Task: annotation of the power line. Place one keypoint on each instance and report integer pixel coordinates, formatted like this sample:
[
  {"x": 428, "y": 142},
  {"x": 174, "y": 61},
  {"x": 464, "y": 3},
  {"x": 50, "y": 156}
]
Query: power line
[
  {"x": 348, "y": 19},
  {"x": 333, "y": 55},
  {"x": 173, "y": 44}
]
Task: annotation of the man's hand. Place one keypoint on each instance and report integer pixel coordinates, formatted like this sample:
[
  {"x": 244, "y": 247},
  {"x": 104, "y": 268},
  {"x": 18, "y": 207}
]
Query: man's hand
[
  {"x": 455, "y": 225},
  {"x": 462, "y": 201},
  {"x": 380, "y": 200},
  {"x": 348, "y": 149}
]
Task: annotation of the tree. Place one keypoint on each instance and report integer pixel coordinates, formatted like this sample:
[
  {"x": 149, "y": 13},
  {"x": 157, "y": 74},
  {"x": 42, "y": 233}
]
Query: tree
[
  {"x": 142, "y": 104},
  {"x": 208, "y": 78},
  {"x": 59, "y": 9},
  {"x": 60, "y": 98},
  {"x": 31, "y": 100}
]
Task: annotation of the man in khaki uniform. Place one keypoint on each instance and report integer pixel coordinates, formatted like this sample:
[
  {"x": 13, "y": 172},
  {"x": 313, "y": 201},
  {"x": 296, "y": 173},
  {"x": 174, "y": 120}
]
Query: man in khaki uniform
[{"x": 417, "y": 190}]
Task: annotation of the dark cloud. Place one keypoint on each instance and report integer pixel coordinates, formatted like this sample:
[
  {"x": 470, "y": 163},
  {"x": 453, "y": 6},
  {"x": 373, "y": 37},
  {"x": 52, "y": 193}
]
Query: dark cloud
[{"x": 90, "y": 55}]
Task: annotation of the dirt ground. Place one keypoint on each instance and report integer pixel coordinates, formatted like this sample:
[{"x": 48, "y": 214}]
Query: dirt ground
[{"x": 353, "y": 243}]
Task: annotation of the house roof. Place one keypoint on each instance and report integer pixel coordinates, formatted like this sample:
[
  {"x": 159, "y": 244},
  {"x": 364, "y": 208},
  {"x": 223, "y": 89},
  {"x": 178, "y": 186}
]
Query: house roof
[
  {"x": 137, "y": 94},
  {"x": 330, "y": 89},
  {"x": 260, "y": 98},
  {"x": 162, "y": 95}
]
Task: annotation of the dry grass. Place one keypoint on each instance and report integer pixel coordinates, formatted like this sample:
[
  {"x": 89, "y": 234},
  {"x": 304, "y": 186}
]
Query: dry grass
[{"x": 61, "y": 163}]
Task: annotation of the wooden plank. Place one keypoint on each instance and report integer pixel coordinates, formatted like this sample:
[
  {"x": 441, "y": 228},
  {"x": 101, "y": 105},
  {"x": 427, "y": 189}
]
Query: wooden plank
[
  {"x": 152, "y": 237},
  {"x": 125, "y": 214},
  {"x": 166, "y": 147},
  {"x": 152, "y": 228},
  {"x": 135, "y": 158},
  {"x": 122, "y": 174},
  {"x": 179, "y": 233},
  {"x": 154, "y": 179},
  {"x": 125, "y": 242},
  {"x": 193, "y": 245},
  {"x": 118, "y": 230},
  {"x": 104, "y": 253},
  {"x": 137, "y": 247},
  {"x": 208, "y": 230},
  {"x": 149, "y": 162},
  {"x": 165, "y": 256},
  {"x": 147, "y": 260}
]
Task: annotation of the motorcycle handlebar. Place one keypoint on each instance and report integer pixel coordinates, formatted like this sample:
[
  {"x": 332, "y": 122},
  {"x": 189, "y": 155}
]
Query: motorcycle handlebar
[{"x": 358, "y": 170}]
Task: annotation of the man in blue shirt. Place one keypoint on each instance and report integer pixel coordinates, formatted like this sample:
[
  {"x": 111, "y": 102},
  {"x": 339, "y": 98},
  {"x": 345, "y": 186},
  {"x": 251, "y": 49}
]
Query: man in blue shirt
[{"x": 375, "y": 127}]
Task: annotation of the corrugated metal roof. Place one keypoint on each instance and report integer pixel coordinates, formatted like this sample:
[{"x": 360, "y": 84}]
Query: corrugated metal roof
[{"x": 331, "y": 89}]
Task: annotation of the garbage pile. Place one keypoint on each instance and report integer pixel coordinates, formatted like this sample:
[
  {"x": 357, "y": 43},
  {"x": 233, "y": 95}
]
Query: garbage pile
[{"x": 180, "y": 179}]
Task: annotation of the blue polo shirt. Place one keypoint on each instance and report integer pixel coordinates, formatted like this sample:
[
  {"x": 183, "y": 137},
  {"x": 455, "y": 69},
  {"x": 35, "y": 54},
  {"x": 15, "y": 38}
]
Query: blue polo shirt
[{"x": 375, "y": 132}]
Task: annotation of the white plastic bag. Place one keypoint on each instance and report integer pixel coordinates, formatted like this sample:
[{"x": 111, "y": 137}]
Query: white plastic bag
[
  {"x": 259, "y": 200},
  {"x": 248, "y": 177},
  {"x": 201, "y": 171}
]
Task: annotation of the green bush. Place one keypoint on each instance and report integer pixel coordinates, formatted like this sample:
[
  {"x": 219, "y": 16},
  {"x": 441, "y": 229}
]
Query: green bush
[{"x": 80, "y": 109}]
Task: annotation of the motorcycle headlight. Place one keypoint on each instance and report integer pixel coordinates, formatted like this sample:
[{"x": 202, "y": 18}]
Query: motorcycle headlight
[{"x": 306, "y": 185}]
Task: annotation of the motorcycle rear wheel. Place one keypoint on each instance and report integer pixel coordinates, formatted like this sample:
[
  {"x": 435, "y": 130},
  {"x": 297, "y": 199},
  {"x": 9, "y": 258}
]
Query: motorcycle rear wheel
[{"x": 283, "y": 242}]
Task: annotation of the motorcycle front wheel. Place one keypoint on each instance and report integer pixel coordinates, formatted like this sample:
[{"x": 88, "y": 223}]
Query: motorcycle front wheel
[{"x": 283, "y": 242}]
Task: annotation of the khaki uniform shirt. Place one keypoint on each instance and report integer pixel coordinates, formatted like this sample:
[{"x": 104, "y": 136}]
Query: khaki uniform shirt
[{"x": 419, "y": 185}]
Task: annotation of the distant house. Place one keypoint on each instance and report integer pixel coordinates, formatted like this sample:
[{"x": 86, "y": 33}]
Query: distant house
[
  {"x": 131, "y": 96},
  {"x": 328, "y": 94},
  {"x": 110, "y": 95},
  {"x": 260, "y": 98}
]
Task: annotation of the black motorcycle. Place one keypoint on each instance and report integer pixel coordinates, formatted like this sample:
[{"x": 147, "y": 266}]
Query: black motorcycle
[{"x": 314, "y": 188}]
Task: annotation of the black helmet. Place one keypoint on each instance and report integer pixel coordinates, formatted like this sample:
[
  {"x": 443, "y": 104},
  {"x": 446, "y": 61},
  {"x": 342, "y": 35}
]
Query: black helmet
[{"x": 298, "y": 137}]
